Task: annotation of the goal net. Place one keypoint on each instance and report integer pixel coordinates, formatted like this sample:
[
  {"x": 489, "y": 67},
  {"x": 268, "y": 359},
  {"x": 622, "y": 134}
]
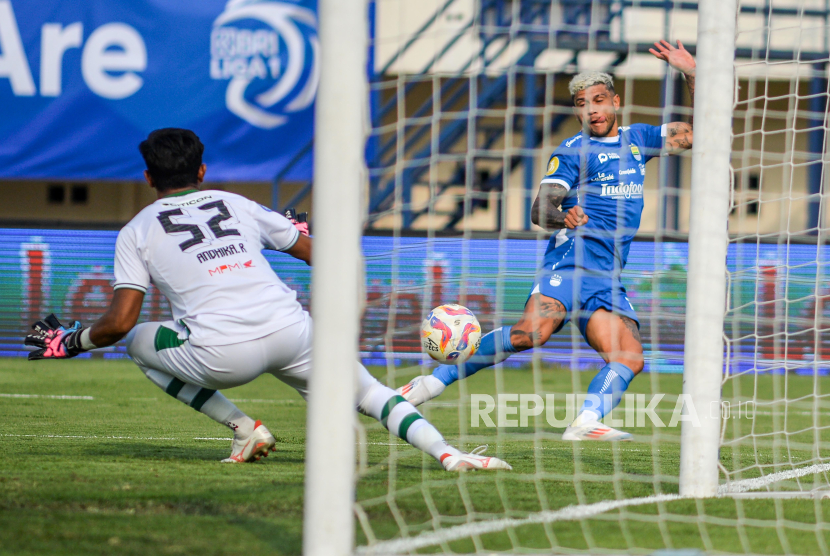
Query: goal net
[{"x": 468, "y": 100}]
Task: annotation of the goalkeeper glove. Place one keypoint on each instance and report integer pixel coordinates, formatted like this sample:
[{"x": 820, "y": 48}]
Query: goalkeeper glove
[
  {"x": 54, "y": 340},
  {"x": 300, "y": 221}
]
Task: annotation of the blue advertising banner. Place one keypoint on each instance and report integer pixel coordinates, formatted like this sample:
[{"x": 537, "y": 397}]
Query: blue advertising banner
[
  {"x": 779, "y": 315},
  {"x": 82, "y": 83}
]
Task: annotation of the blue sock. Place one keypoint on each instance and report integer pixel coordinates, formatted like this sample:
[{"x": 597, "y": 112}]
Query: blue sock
[
  {"x": 495, "y": 347},
  {"x": 607, "y": 388}
]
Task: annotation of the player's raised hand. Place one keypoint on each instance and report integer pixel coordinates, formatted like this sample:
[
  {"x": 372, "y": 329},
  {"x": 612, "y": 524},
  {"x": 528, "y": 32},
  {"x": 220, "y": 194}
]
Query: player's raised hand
[
  {"x": 54, "y": 340},
  {"x": 679, "y": 58},
  {"x": 575, "y": 217}
]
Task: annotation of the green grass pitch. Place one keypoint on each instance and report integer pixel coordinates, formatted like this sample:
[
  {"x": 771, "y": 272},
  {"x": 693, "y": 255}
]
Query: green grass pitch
[{"x": 132, "y": 471}]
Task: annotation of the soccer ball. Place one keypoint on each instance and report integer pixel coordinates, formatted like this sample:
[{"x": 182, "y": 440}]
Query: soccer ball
[{"x": 450, "y": 334}]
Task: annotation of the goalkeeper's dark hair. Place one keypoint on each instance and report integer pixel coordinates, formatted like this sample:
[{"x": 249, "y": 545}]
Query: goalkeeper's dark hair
[{"x": 173, "y": 157}]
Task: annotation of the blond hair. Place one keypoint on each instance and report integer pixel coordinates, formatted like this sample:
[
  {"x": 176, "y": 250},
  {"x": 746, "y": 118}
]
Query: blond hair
[{"x": 582, "y": 81}]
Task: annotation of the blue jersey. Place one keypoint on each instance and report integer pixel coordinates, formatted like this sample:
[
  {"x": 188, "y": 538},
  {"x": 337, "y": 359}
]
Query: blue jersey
[{"x": 603, "y": 175}]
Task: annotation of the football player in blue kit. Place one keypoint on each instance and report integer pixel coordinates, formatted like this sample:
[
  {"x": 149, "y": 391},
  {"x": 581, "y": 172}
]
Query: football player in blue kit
[{"x": 592, "y": 197}]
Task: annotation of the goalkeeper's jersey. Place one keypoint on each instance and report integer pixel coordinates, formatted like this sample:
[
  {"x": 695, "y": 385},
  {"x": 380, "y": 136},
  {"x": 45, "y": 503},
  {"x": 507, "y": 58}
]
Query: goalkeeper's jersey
[
  {"x": 605, "y": 177},
  {"x": 202, "y": 249}
]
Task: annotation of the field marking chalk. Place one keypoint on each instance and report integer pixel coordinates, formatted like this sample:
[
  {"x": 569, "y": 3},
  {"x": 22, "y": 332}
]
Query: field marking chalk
[
  {"x": 94, "y": 437},
  {"x": 55, "y": 397},
  {"x": 746, "y": 485},
  {"x": 44, "y": 396}
]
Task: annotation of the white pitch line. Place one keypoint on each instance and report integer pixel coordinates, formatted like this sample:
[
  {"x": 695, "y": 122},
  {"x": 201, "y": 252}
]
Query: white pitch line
[
  {"x": 746, "y": 485},
  {"x": 43, "y": 396},
  {"x": 569, "y": 513},
  {"x": 95, "y": 437}
]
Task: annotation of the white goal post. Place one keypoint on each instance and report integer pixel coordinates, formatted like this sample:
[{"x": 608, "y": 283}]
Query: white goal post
[
  {"x": 341, "y": 175},
  {"x": 339, "y": 178},
  {"x": 708, "y": 239}
]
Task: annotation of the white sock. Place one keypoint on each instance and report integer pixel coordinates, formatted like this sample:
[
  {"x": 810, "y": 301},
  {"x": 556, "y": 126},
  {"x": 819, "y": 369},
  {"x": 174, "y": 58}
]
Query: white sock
[
  {"x": 586, "y": 416},
  {"x": 222, "y": 410},
  {"x": 210, "y": 402},
  {"x": 434, "y": 385},
  {"x": 426, "y": 438},
  {"x": 402, "y": 419}
]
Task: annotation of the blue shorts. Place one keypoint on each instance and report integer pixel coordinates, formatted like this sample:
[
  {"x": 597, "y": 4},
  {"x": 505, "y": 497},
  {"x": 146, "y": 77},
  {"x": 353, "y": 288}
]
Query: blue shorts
[{"x": 582, "y": 291}]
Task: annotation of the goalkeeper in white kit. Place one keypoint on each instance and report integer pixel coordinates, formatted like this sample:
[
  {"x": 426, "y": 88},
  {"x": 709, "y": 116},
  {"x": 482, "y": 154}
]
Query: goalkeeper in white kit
[{"x": 234, "y": 319}]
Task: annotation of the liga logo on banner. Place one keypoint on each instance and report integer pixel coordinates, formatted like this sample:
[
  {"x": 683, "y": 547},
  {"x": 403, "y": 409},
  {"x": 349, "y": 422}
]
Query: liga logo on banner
[{"x": 270, "y": 54}]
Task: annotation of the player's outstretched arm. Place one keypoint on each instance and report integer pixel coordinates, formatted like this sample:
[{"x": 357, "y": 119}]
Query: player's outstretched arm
[
  {"x": 301, "y": 250},
  {"x": 545, "y": 210},
  {"x": 119, "y": 319},
  {"x": 679, "y": 135}
]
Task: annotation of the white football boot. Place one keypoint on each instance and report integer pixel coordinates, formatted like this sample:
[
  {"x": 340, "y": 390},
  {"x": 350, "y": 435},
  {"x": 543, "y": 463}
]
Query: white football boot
[
  {"x": 252, "y": 447},
  {"x": 473, "y": 460},
  {"x": 421, "y": 389},
  {"x": 594, "y": 430}
]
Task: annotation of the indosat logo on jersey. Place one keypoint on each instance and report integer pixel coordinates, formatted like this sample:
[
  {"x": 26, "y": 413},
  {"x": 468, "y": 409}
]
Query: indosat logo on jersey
[{"x": 261, "y": 47}]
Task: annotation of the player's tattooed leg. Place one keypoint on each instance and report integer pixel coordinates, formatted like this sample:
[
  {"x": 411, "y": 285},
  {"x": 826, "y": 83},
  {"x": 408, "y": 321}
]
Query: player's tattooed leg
[
  {"x": 551, "y": 308},
  {"x": 632, "y": 327},
  {"x": 616, "y": 338},
  {"x": 631, "y": 345},
  {"x": 542, "y": 315}
]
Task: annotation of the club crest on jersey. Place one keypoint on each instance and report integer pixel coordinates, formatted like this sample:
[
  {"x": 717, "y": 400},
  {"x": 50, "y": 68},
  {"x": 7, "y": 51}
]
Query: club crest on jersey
[
  {"x": 636, "y": 152},
  {"x": 553, "y": 166}
]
